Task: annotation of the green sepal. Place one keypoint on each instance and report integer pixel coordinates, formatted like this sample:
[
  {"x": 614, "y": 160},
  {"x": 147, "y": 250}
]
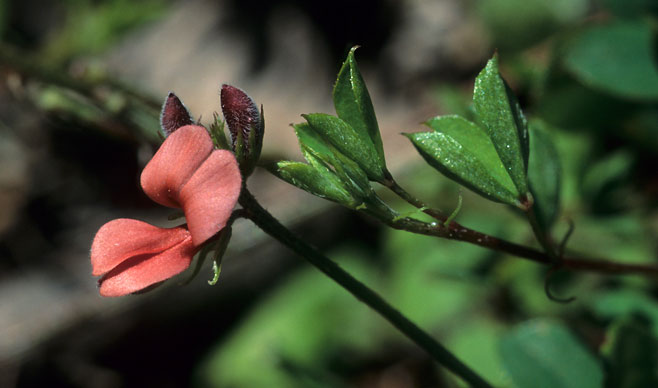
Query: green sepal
[
  {"x": 354, "y": 145},
  {"x": 220, "y": 249},
  {"x": 217, "y": 133},
  {"x": 218, "y": 245},
  {"x": 463, "y": 151},
  {"x": 544, "y": 174},
  {"x": 319, "y": 182},
  {"x": 504, "y": 121},
  {"x": 353, "y": 104}
]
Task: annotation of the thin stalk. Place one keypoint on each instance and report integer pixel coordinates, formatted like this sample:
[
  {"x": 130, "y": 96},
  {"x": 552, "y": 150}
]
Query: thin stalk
[
  {"x": 458, "y": 232},
  {"x": 270, "y": 225},
  {"x": 392, "y": 185}
]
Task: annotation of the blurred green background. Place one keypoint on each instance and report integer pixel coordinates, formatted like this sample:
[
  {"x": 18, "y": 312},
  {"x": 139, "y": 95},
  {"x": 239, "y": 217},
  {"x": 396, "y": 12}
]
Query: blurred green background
[{"x": 82, "y": 82}]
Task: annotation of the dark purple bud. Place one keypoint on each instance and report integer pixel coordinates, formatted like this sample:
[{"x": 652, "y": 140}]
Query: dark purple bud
[
  {"x": 245, "y": 126},
  {"x": 174, "y": 115}
]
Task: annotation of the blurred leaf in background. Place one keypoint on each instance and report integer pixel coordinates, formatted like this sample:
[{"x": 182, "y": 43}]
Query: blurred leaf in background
[
  {"x": 631, "y": 354},
  {"x": 293, "y": 334},
  {"x": 90, "y": 27},
  {"x": 616, "y": 58},
  {"x": 517, "y": 24},
  {"x": 543, "y": 353}
]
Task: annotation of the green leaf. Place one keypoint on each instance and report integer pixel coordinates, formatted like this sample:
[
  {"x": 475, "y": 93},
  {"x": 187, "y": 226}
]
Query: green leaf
[
  {"x": 504, "y": 121},
  {"x": 353, "y": 105},
  {"x": 312, "y": 142},
  {"x": 544, "y": 174},
  {"x": 316, "y": 181},
  {"x": 317, "y": 151},
  {"x": 632, "y": 354},
  {"x": 463, "y": 152},
  {"x": 543, "y": 353},
  {"x": 355, "y": 145},
  {"x": 615, "y": 58}
]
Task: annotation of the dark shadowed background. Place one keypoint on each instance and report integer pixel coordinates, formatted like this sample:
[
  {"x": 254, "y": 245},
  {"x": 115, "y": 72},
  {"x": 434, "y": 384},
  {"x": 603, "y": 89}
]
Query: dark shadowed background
[{"x": 81, "y": 82}]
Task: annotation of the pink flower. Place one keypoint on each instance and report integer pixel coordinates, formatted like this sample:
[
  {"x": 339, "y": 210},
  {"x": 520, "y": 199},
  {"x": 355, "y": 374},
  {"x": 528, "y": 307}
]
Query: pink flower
[{"x": 187, "y": 173}]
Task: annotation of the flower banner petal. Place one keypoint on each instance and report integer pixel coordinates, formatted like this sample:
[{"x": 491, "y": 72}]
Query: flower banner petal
[
  {"x": 175, "y": 162},
  {"x": 210, "y": 195}
]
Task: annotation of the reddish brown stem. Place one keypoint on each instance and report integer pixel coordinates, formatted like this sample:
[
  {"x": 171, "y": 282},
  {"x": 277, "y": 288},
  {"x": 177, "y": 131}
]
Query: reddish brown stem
[{"x": 458, "y": 232}]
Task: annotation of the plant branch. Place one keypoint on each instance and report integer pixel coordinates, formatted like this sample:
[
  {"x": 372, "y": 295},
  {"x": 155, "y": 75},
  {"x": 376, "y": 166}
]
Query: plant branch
[
  {"x": 264, "y": 220},
  {"x": 392, "y": 185},
  {"x": 455, "y": 231},
  {"x": 458, "y": 232}
]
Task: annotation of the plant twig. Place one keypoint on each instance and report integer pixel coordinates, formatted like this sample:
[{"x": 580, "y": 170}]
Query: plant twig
[
  {"x": 263, "y": 219},
  {"x": 392, "y": 185},
  {"x": 458, "y": 232}
]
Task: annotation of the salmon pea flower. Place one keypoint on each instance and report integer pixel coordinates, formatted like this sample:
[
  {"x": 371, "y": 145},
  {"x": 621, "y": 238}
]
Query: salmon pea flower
[{"x": 186, "y": 173}]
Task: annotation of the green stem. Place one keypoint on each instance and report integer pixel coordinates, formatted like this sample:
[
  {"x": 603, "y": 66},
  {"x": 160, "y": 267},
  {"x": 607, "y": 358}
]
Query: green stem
[
  {"x": 392, "y": 185},
  {"x": 264, "y": 220}
]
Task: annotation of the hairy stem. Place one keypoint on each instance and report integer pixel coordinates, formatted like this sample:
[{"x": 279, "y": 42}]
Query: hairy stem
[{"x": 264, "y": 220}]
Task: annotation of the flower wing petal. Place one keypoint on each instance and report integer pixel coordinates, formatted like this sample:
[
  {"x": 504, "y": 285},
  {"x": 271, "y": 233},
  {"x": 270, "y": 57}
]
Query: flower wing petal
[
  {"x": 210, "y": 195},
  {"x": 175, "y": 162},
  {"x": 139, "y": 272},
  {"x": 123, "y": 238}
]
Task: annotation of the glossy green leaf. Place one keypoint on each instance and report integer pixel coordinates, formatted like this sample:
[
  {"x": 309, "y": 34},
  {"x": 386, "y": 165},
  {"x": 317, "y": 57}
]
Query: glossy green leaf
[
  {"x": 319, "y": 182},
  {"x": 353, "y": 144},
  {"x": 616, "y": 58},
  {"x": 504, "y": 121},
  {"x": 544, "y": 174},
  {"x": 462, "y": 151},
  {"x": 353, "y": 104},
  {"x": 316, "y": 149},
  {"x": 544, "y": 354},
  {"x": 631, "y": 352},
  {"x": 312, "y": 142}
]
